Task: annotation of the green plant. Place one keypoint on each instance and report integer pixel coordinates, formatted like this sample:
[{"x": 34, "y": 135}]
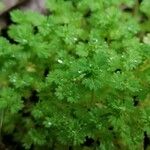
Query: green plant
[{"x": 79, "y": 73}]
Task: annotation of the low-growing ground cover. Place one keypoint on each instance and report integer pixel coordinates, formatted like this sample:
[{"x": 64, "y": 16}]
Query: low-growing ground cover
[{"x": 76, "y": 78}]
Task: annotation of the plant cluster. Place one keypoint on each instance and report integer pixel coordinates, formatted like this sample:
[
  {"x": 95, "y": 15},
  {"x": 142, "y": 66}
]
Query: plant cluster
[{"x": 79, "y": 74}]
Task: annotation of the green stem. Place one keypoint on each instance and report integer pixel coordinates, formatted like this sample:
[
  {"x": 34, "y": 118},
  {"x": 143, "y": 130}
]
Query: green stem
[{"x": 136, "y": 8}]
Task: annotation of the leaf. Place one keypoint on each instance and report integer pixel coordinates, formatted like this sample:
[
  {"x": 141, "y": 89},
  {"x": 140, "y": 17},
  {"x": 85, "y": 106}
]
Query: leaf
[{"x": 27, "y": 17}]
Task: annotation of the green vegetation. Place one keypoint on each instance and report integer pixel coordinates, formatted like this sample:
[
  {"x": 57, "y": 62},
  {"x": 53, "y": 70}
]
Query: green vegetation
[{"x": 79, "y": 74}]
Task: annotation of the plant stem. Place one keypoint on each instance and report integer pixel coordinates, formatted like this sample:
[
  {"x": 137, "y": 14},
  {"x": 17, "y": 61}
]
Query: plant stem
[{"x": 136, "y": 8}]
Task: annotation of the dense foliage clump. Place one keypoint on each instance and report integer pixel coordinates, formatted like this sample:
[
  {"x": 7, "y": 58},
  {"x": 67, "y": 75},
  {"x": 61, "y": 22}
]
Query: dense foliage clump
[{"x": 79, "y": 75}]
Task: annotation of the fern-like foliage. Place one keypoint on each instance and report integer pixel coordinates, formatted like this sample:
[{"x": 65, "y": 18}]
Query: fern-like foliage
[{"x": 80, "y": 72}]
